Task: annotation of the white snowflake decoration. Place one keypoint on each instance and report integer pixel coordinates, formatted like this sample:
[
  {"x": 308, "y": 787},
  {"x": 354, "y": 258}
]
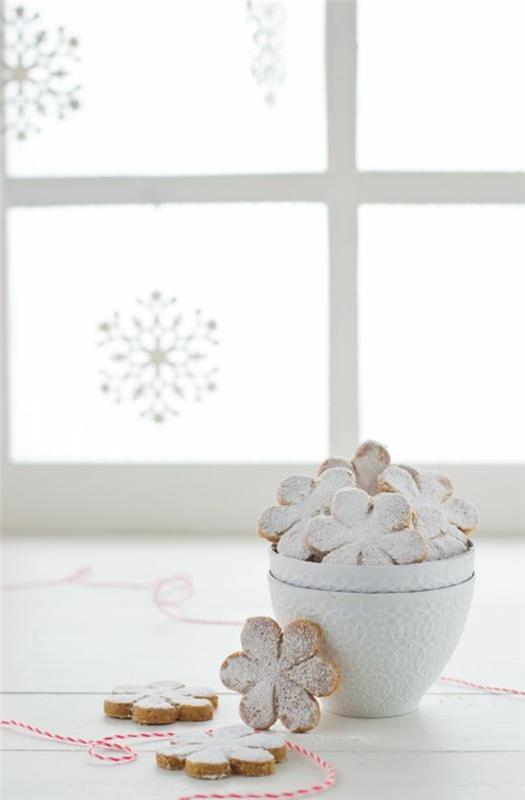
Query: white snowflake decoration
[
  {"x": 159, "y": 358},
  {"x": 37, "y": 73},
  {"x": 267, "y": 19}
]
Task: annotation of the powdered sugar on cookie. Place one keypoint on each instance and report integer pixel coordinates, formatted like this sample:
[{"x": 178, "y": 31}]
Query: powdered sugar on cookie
[
  {"x": 443, "y": 520},
  {"x": 161, "y": 702},
  {"x": 300, "y": 498},
  {"x": 370, "y": 459},
  {"x": 235, "y": 749},
  {"x": 366, "y": 530},
  {"x": 354, "y": 529},
  {"x": 280, "y": 673}
]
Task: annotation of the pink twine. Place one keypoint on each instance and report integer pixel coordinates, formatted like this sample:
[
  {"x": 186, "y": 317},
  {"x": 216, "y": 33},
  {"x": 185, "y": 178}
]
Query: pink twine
[
  {"x": 482, "y": 686},
  {"x": 182, "y": 583},
  {"x": 161, "y": 591},
  {"x": 130, "y": 754},
  {"x": 75, "y": 577}
]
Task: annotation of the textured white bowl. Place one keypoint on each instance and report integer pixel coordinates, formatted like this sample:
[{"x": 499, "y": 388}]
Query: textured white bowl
[
  {"x": 390, "y": 647},
  {"x": 393, "y": 578}
]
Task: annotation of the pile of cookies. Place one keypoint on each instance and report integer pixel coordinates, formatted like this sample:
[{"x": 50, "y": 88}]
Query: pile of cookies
[{"x": 368, "y": 511}]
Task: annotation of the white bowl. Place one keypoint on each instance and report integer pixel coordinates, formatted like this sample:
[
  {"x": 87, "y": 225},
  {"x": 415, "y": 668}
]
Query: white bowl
[
  {"x": 390, "y": 647},
  {"x": 393, "y": 578}
]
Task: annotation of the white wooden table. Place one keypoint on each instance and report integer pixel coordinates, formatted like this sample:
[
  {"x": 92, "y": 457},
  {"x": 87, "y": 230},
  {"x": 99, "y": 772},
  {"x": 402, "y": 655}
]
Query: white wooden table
[{"x": 65, "y": 647}]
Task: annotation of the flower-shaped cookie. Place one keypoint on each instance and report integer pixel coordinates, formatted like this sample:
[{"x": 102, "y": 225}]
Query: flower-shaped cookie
[
  {"x": 161, "y": 702},
  {"x": 369, "y": 461},
  {"x": 235, "y": 749},
  {"x": 366, "y": 530},
  {"x": 300, "y": 498},
  {"x": 280, "y": 673},
  {"x": 443, "y": 520}
]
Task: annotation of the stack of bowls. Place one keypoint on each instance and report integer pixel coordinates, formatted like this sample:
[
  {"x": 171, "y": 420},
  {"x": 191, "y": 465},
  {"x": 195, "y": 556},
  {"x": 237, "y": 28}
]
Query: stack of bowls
[{"x": 391, "y": 629}]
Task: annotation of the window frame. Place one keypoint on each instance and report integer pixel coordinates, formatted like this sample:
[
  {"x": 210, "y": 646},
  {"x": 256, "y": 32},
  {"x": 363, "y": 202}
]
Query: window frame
[{"x": 222, "y": 498}]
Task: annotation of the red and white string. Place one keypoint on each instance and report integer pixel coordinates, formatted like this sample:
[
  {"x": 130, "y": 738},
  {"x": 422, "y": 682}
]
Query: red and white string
[
  {"x": 167, "y": 594},
  {"x": 126, "y": 754},
  {"x": 482, "y": 686}
]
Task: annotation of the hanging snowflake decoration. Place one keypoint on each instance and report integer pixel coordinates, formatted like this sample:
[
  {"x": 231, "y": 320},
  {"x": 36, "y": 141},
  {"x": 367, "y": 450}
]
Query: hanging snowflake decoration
[
  {"x": 266, "y": 17},
  {"x": 159, "y": 358},
  {"x": 37, "y": 73}
]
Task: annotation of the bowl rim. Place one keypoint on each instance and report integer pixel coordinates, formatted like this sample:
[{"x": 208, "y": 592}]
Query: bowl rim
[{"x": 380, "y": 594}]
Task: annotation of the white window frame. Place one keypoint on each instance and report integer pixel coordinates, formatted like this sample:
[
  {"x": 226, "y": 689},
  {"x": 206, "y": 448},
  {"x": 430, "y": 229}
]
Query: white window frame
[{"x": 203, "y": 497}]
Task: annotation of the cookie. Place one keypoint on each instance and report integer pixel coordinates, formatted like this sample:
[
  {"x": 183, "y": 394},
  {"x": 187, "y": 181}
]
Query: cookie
[
  {"x": 366, "y": 530},
  {"x": 369, "y": 461},
  {"x": 161, "y": 703},
  {"x": 233, "y": 750},
  {"x": 300, "y": 498},
  {"x": 280, "y": 673},
  {"x": 442, "y": 520}
]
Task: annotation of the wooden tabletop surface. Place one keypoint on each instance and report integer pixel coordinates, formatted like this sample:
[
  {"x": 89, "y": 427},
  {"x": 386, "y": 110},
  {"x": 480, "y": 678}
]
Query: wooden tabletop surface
[{"x": 66, "y": 646}]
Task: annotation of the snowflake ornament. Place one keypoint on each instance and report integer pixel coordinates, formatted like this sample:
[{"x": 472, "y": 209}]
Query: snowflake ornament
[
  {"x": 161, "y": 702},
  {"x": 280, "y": 673},
  {"x": 159, "y": 358},
  {"x": 38, "y": 73},
  {"x": 300, "y": 498},
  {"x": 442, "y": 520},
  {"x": 267, "y": 19},
  {"x": 366, "y": 530},
  {"x": 235, "y": 749}
]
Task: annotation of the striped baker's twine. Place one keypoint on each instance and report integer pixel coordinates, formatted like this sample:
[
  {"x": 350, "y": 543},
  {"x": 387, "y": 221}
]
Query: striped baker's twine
[
  {"x": 483, "y": 687},
  {"x": 168, "y": 594},
  {"x": 128, "y": 753}
]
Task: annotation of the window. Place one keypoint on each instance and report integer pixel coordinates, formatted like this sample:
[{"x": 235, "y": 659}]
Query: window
[
  {"x": 68, "y": 372},
  {"x": 233, "y": 247}
]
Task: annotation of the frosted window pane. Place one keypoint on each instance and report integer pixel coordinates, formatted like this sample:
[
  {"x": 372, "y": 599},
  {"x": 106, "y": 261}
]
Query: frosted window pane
[
  {"x": 259, "y": 271},
  {"x": 167, "y": 88},
  {"x": 442, "y": 329},
  {"x": 440, "y": 85}
]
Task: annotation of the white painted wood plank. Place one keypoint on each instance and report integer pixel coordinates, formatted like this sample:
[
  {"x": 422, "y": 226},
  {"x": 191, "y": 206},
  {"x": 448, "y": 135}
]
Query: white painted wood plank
[
  {"x": 75, "y": 638},
  {"x": 443, "y": 776},
  {"x": 79, "y": 639},
  {"x": 360, "y": 776},
  {"x": 441, "y": 187},
  {"x": 101, "y": 190},
  {"x": 226, "y": 510},
  {"x": 442, "y": 723},
  {"x": 371, "y": 187},
  {"x": 342, "y": 220}
]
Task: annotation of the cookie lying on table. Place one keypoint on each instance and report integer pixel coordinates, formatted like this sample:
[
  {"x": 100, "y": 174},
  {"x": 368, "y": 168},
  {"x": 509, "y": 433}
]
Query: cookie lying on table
[
  {"x": 233, "y": 750},
  {"x": 161, "y": 703}
]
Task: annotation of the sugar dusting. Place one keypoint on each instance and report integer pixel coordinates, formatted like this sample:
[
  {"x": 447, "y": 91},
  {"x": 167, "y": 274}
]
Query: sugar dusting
[
  {"x": 233, "y": 742},
  {"x": 301, "y": 498},
  {"x": 163, "y": 695},
  {"x": 366, "y": 530},
  {"x": 276, "y": 690},
  {"x": 441, "y": 519},
  {"x": 370, "y": 459}
]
